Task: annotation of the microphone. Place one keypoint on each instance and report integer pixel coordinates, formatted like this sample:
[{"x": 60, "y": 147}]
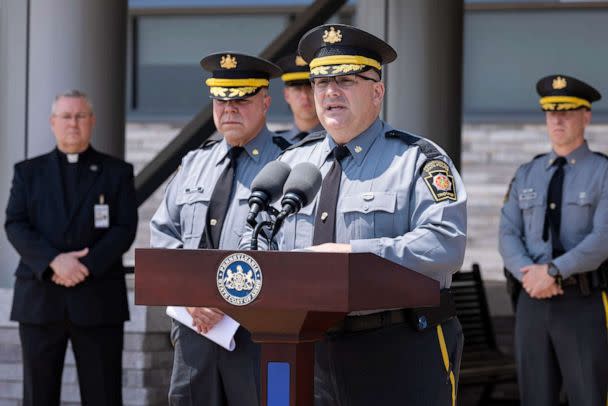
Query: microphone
[
  {"x": 266, "y": 188},
  {"x": 300, "y": 188}
]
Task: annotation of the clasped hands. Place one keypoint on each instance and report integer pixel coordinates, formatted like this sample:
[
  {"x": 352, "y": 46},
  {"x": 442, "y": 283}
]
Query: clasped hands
[
  {"x": 538, "y": 283},
  {"x": 68, "y": 271}
]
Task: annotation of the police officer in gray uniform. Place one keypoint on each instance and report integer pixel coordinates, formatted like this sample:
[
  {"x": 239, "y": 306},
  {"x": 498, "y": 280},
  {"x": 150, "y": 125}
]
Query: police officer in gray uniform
[
  {"x": 298, "y": 95},
  {"x": 205, "y": 206},
  {"x": 553, "y": 231},
  {"x": 385, "y": 192}
]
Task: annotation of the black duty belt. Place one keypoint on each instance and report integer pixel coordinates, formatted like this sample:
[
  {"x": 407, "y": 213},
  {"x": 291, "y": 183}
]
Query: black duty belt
[
  {"x": 581, "y": 280},
  {"x": 418, "y": 318}
]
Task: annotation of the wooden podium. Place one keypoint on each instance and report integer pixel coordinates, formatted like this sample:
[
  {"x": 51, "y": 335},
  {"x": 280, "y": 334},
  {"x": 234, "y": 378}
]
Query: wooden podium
[{"x": 303, "y": 294}]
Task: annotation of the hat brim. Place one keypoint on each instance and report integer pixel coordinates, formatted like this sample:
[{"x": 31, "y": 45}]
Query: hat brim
[
  {"x": 563, "y": 103},
  {"x": 338, "y": 70},
  {"x": 233, "y": 93}
]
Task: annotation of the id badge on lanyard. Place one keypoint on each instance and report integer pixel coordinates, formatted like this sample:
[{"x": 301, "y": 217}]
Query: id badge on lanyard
[{"x": 101, "y": 213}]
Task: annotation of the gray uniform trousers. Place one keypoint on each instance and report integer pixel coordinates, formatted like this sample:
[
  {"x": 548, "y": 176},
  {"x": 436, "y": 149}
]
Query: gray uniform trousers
[
  {"x": 394, "y": 365},
  {"x": 564, "y": 337},
  {"x": 205, "y": 374}
]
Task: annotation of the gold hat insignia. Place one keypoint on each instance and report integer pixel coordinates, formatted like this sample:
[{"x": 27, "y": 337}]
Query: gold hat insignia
[
  {"x": 300, "y": 61},
  {"x": 228, "y": 62},
  {"x": 332, "y": 36},
  {"x": 559, "y": 83}
]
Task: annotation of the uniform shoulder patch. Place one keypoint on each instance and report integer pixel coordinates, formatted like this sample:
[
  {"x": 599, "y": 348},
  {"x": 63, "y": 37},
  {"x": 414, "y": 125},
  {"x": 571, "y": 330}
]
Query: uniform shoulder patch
[
  {"x": 439, "y": 179},
  {"x": 427, "y": 148},
  {"x": 281, "y": 142},
  {"x": 214, "y": 139},
  {"x": 310, "y": 138}
]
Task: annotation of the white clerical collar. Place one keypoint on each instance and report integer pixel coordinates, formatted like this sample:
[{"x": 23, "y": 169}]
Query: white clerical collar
[{"x": 72, "y": 158}]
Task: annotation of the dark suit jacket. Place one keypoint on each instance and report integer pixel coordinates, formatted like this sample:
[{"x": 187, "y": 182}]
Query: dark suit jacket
[{"x": 40, "y": 227}]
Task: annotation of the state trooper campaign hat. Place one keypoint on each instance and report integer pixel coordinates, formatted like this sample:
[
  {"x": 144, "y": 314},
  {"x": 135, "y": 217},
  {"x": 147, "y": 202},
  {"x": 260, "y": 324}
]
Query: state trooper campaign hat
[
  {"x": 561, "y": 93},
  {"x": 338, "y": 49},
  {"x": 237, "y": 76},
  {"x": 295, "y": 70}
]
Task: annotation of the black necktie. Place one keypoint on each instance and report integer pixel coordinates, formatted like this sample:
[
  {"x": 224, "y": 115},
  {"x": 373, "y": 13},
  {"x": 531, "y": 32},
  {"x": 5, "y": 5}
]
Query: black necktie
[
  {"x": 220, "y": 200},
  {"x": 325, "y": 221},
  {"x": 553, "y": 211}
]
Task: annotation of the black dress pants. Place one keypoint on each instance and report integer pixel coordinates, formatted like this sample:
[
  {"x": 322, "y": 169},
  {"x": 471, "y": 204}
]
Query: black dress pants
[
  {"x": 394, "y": 365},
  {"x": 98, "y": 354},
  {"x": 562, "y": 343},
  {"x": 205, "y": 374}
]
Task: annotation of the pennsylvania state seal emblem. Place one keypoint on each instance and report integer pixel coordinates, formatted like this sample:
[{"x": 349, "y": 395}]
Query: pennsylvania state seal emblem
[
  {"x": 239, "y": 279},
  {"x": 439, "y": 180}
]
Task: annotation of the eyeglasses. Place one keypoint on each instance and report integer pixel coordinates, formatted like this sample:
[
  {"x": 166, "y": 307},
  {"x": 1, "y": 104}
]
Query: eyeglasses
[
  {"x": 343, "y": 82},
  {"x": 77, "y": 116}
]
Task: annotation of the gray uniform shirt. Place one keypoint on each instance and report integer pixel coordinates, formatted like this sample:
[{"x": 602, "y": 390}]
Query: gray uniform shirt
[
  {"x": 385, "y": 205},
  {"x": 584, "y": 224},
  {"x": 180, "y": 219}
]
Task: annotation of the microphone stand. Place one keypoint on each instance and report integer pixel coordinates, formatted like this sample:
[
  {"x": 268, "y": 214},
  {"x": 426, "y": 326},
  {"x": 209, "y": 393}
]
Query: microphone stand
[
  {"x": 258, "y": 229},
  {"x": 256, "y": 234}
]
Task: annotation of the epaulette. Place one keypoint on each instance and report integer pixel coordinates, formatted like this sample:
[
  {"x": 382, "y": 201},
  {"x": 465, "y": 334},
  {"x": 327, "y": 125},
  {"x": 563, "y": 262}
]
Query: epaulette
[
  {"x": 425, "y": 146},
  {"x": 540, "y": 155},
  {"x": 281, "y": 131},
  {"x": 600, "y": 154},
  {"x": 281, "y": 142},
  {"x": 312, "y": 137},
  {"x": 214, "y": 139}
]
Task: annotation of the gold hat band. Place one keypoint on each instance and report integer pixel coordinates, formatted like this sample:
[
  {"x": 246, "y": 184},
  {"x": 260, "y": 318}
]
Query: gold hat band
[
  {"x": 574, "y": 101},
  {"x": 343, "y": 60},
  {"x": 231, "y": 92},
  {"x": 217, "y": 82},
  {"x": 288, "y": 77}
]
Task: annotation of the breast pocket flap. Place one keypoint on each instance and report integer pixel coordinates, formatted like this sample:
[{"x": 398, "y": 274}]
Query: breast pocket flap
[
  {"x": 192, "y": 195},
  {"x": 581, "y": 199},
  {"x": 529, "y": 203},
  {"x": 242, "y": 194},
  {"x": 369, "y": 202}
]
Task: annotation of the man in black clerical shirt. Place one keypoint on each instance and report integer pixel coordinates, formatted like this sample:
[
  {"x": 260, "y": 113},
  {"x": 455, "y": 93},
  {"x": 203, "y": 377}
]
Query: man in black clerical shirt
[{"x": 71, "y": 215}]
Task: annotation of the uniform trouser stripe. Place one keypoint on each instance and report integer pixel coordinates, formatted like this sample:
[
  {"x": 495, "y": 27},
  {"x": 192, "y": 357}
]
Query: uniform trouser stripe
[
  {"x": 605, "y": 300},
  {"x": 446, "y": 360}
]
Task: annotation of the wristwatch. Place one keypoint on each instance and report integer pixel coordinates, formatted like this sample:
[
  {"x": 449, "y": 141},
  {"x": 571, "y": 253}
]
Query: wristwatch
[{"x": 554, "y": 272}]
